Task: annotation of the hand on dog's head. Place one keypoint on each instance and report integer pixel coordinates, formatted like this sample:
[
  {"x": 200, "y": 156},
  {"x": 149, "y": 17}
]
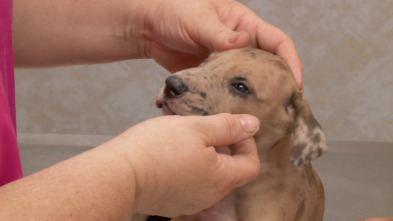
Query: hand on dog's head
[{"x": 248, "y": 81}]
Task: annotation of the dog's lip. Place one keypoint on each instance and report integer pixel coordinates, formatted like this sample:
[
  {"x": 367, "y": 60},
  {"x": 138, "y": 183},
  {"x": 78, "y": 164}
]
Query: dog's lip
[{"x": 166, "y": 110}]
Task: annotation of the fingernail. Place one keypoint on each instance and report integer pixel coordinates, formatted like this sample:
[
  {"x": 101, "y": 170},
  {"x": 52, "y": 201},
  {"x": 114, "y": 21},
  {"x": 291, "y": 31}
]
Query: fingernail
[{"x": 250, "y": 123}]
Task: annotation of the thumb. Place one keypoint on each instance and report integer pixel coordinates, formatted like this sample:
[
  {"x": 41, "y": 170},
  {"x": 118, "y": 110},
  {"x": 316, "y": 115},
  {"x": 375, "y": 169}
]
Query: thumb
[
  {"x": 213, "y": 34},
  {"x": 237, "y": 130},
  {"x": 245, "y": 163},
  {"x": 227, "y": 129}
]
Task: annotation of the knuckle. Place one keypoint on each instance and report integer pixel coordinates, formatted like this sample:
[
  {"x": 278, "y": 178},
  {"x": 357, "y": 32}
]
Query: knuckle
[{"x": 229, "y": 124}]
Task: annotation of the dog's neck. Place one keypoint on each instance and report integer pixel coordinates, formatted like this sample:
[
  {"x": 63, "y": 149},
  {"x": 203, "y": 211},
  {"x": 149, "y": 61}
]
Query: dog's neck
[
  {"x": 275, "y": 161},
  {"x": 276, "y": 172},
  {"x": 276, "y": 153}
]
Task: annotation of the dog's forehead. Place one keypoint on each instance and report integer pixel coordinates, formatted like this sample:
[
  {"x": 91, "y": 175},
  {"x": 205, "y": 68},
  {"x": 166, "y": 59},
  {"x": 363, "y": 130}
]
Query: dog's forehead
[
  {"x": 248, "y": 62},
  {"x": 248, "y": 56},
  {"x": 243, "y": 54}
]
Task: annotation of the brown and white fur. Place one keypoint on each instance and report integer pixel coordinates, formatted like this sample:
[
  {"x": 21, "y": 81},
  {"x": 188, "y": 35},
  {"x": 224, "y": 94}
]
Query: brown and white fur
[{"x": 251, "y": 81}]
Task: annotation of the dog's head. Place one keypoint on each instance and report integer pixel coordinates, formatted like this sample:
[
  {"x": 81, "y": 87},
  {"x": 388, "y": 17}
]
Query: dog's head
[{"x": 248, "y": 81}]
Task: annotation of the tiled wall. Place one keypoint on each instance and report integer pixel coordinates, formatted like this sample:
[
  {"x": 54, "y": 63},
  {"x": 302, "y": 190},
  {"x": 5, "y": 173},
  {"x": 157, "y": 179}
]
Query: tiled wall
[{"x": 346, "y": 48}]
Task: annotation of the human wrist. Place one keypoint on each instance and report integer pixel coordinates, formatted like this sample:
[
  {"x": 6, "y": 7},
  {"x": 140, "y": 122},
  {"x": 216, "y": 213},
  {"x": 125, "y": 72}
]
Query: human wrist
[
  {"x": 131, "y": 29},
  {"x": 138, "y": 28},
  {"x": 114, "y": 157},
  {"x": 132, "y": 160}
]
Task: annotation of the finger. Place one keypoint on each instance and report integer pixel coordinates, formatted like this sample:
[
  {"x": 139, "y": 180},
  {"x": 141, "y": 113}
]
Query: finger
[
  {"x": 216, "y": 36},
  {"x": 286, "y": 50},
  {"x": 297, "y": 70},
  {"x": 226, "y": 129},
  {"x": 245, "y": 162},
  {"x": 272, "y": 39},
  {"x": 223, "y": 149},
  {"x": 173, "y": 60}
]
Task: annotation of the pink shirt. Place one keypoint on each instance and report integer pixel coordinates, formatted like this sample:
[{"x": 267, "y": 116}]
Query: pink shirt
[{"x": 10, "y": 166}]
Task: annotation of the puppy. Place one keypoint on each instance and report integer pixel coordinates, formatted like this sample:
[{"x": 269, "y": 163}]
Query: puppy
[{"x": 251, "y": 81}]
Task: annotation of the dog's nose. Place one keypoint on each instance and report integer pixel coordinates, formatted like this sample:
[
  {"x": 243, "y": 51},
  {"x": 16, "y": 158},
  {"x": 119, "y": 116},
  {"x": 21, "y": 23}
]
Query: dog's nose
[{"x": 174, "y": 86}]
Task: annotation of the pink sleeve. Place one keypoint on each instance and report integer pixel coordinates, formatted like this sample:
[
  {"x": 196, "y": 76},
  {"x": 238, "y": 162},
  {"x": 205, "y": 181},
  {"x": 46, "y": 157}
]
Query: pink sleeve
[{"x": 10, "y": 166}]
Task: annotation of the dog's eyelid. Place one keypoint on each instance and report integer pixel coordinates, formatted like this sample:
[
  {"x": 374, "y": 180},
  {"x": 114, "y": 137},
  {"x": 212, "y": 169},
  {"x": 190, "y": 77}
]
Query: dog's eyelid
[
  {"x": 240, "y": 86},
  {"x": 239, "y": 78}
]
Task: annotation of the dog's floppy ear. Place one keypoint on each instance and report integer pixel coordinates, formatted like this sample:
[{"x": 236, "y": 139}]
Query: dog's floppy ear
[{"x": 309, "y": 141}]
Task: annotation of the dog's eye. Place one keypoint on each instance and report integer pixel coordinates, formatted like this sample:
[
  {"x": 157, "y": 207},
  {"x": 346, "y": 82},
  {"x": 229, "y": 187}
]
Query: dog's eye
[{"x": 242, "y": 88}]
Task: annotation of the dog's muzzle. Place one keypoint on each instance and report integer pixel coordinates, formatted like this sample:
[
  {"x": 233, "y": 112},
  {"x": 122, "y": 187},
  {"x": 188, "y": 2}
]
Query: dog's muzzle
[{"x": 174, "y": 87}]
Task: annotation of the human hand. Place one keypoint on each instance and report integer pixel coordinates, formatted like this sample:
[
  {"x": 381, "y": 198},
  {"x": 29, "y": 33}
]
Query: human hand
[
  {"x": 181, "y": 33},
  {"x": 177, "y": 169}
]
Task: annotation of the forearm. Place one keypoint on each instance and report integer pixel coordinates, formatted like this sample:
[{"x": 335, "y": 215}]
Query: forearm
[
  {"x": 48, "y": 33},
  {"x": 96, "y": 185}
]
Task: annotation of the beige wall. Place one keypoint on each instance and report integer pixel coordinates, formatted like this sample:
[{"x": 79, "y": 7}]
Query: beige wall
[{"x": 346, "y": 48}]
